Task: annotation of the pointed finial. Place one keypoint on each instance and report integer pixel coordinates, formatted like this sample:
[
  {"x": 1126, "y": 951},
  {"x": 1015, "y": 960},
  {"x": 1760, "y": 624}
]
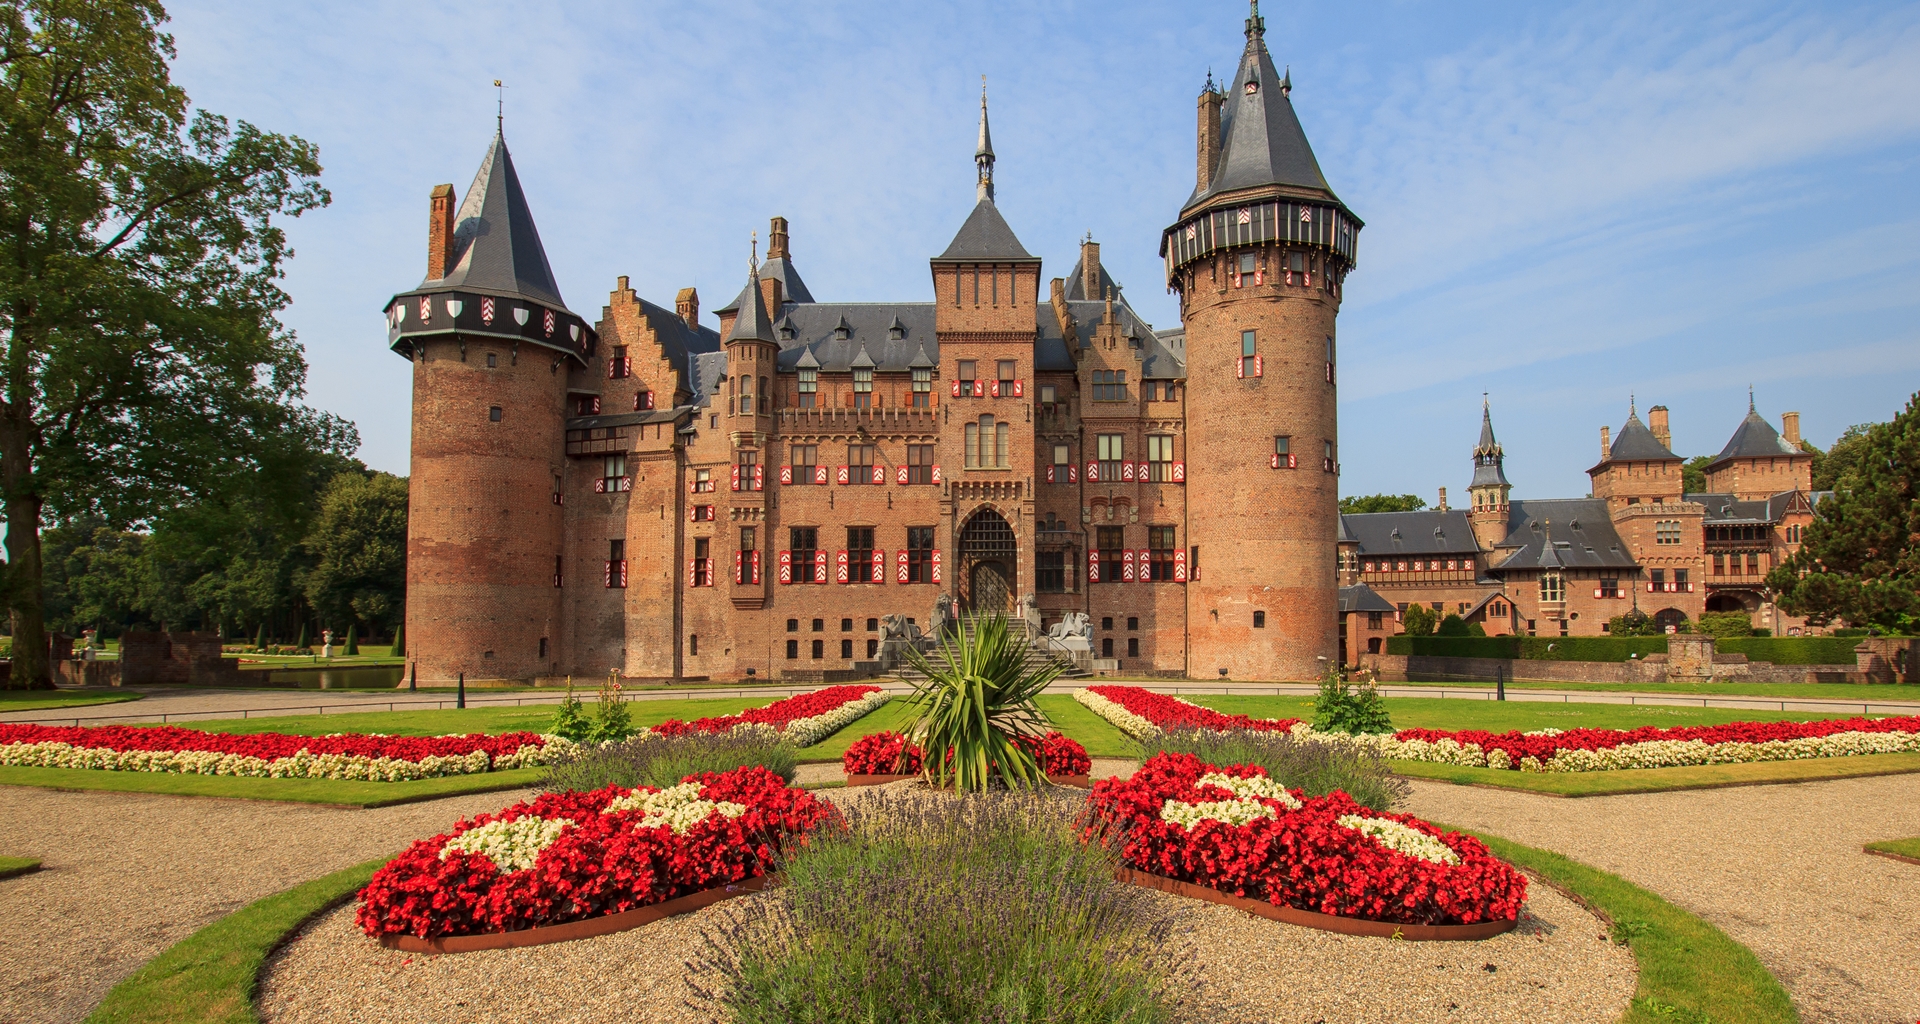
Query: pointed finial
[
  {"x": 499, "y": 107},
  {"x": 1633, "y": 408},
  {"x": 1749, "y": 398},
  {"x": 1256, "y": 25},
  {"x": 753, "y": 253},
  {"x": 1286, "y": 82},
  {"x": 983, "y": 154},
  {"x": 1209, "y": 86}
]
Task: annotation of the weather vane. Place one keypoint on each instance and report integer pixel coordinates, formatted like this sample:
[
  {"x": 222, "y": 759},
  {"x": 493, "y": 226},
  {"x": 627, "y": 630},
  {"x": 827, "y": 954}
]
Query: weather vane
[{"x": 500, "y": 106}]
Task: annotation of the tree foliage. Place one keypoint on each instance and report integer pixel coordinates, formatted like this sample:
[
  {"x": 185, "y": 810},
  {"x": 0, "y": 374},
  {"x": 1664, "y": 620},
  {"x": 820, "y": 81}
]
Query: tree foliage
[
  {"x": 1356, "y": 504},
  {"x": 1837, "y": 461},
  {"x": 1693, "y": 474},
  {"x": 359, "y": 547},
  {"x": 140, "y": 356},
  {"x": 1418, "y": 620},
  {"x": 1860, "y": 560}
]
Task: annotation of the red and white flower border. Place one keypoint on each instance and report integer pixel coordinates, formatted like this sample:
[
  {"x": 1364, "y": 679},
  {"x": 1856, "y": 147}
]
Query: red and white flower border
[{"x": 301, "y": 764}]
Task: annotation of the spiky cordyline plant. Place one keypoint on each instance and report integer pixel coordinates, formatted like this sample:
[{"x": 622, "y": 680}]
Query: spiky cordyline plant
[{"x": 976, "y": 701}]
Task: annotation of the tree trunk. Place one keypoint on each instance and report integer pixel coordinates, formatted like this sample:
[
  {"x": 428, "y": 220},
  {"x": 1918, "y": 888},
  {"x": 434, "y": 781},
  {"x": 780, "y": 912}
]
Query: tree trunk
[{"x": 24, "y": 570}]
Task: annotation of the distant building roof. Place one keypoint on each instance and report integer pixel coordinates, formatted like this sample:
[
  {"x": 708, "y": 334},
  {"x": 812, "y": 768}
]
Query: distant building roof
[
  {"x": 1755, "y": 438},
  {"x": 1427, "y": 532},
  {"x": 496, "y": 247},
  {"x": 1261, "y": 139},
  {"x": 1583, "y": 536},
  {"x": 1636, "y": 443},
  {"x": 1362, "y": 598},
  {"x": 985, "y": 237}
]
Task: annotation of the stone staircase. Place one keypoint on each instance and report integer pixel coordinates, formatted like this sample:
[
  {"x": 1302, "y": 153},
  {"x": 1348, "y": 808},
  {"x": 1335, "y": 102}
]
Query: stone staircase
[{"x": 1036, "y": 656}]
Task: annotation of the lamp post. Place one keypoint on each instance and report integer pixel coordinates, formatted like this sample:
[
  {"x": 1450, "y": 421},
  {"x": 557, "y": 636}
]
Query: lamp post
[{"x": 460, "y": 701}]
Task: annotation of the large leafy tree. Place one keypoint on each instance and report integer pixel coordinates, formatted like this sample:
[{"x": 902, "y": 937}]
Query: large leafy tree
[
  {"x": 359, "y": 546},
  {"x": 140, "y": 357},
  {"x": 1356, "y": 504},
  {"x": 1861, "y": 558}
]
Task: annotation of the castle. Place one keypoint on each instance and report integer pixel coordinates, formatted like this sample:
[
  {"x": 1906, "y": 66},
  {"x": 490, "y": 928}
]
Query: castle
[
  {"x": 644, "y": 494},
  {"x": 1568, "y": 566}
]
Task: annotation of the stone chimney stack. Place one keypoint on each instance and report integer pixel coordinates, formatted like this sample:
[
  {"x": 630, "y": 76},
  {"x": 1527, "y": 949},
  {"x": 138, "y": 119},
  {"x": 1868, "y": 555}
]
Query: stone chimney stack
[
  {"x": 439, "y": 232},
  {"x": 1090, "y": 268},
  {"x": 777, "y": 239},
  {"x": 770, "y": 294},
  {"x": 687, "y": 304},
  {"x": 1790, "y": 427},
  {"x": 1443, "y": 499},
  {"x": 1657, "y": 422},
  {"x": 1606, "y": 443},
  {"x": 1208, "y": 156}
]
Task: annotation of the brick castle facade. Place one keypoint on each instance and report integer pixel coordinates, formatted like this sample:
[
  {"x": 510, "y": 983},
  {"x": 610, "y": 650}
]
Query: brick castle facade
[{"x": 646, "y": 494}]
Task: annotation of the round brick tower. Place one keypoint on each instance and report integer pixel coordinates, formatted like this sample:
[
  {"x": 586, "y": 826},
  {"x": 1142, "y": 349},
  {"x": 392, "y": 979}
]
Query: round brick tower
[
  {"x": 491, "y": 343},
  {"x": 1259, "y": 256}
]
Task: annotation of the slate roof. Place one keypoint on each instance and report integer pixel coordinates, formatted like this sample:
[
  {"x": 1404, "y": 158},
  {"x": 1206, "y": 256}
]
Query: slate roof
[
  {"x": 811, "y": 328},
  {"x": 778, "y": 268},
  {"x": 1583, "y": 536},
  {"x": 1636, "y": 443},
  {"x": 1427, "y": 532},
  {"x": 1077, "y": 281},
  {"x": 678, "y": 340},
  {"x": 1488, "y": 458},
  {"x": 1755, "y": 438},
  {"x": 496, "y": 248},
  {"x": 752, "y": 324},
  {"x": 705, "y": 376},
  {"x": 1726, "y": 510},
  {"x": 985, "y": 237},
  {"x": 1362, "y": 598},
  {"x": 1261, "y": 139}
]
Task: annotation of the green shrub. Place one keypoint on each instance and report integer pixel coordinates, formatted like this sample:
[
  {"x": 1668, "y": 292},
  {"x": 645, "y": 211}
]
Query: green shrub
[
  {"x": 975, "y": 701},
  {"x": 1451, "y": 625},
  {"x": 1726, "y": 624},
  {"x": 1345, "y": 707},
  {"x": 353, "y": 639},
  {"x": 1636, "y": 623},
  {"x": 1418, "y": 620},
  {"x": 1455, "y": 646},
  {"x": 663, "y": 761},
  {"x": 1590, "y": 648},
  {"x": 571, "y": 721},
  {"x": 1792, "y": 650},
  {"x": 1318, "y": 766},
  {"x": 932, "y": 908},
  {"x": 1853, "y": 631}
]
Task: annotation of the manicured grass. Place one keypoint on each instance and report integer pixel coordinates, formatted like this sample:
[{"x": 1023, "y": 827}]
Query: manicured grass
[
  {"x": 1072, "y": 717},
  {"x": 1860, "y": 693},
  {"x": 1658, "y": 780},
  {"x": 1690, "y": 971},
  {"x": 530, "y": 718},
  {"x": 1501, "y": 716},
  {"x": 1905, "y": 849},
  {"x": 11, "y": 866},
  {"x": 894, "y": 715},
  {"x": 34, "y": 700},
  {"x": 211, "y": 976},
  {"x": 304, "y": 791}
]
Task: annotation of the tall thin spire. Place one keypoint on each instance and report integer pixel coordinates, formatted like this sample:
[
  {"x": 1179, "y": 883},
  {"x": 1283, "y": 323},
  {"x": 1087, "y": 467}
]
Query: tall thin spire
[
  {"x": 983, "y": 154},
  {"x": 499, "y": 108},
  {"x": 1750, "y": 398},
  {"x": 1256, "y": 25}
]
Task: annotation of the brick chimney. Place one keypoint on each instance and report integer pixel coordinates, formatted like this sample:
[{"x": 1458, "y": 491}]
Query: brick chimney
[
  {"x": 1657, "y": 422},
  {"x": 1208, "y": 155},
  {"x": 1090, "y": 268},
  {"x": 770, "y": 293},
  {"x": 439, "y": 231},
  {"x": 1606, "y": 443},
  {"x": 687, "y": 304},
  {"x": 1443, "y": 499},
  {"x": 777, "y": 239},
  {"x": 1063, "y": 315},
  {"x": 1790, "y": 427}
]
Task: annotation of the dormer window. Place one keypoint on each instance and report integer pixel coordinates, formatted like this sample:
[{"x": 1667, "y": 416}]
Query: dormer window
[
  {"x": 922, "y": 387},
  {"x": 809, "y": 386},
  {"x": 787, "y": 333},
  {"x": 843, "y": 331},
  {"x": 897, "y": 331},
  {"x": 863, "y": 387}
]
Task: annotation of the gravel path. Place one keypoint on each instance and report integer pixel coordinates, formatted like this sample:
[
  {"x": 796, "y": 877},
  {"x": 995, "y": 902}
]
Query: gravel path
[
  {"x": 126, "y": 875},
  {"x": 1557, "y": 966},
  {"x": 1779, "y": 868}
]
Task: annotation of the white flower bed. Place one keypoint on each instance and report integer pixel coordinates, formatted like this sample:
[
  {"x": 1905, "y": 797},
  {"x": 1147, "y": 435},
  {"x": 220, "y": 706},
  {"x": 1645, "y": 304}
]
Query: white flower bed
[
  {"x": 677, "y": 807},
  {"x": 511, "y": 845},
  {"x": 1248, "y": 803},
  {"x": 1121, "y": 719},
  {"x": 1652, "y": 754},
  {"x": 303, "y": 765},
  {"x": 1247, "y": 789},
  {"x": 805, "y": 732},
  {"x": 1401, "y": 838}
]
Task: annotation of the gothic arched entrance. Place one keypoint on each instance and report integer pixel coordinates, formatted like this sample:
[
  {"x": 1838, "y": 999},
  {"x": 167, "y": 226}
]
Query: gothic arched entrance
[{"x": 989, "y": 564}]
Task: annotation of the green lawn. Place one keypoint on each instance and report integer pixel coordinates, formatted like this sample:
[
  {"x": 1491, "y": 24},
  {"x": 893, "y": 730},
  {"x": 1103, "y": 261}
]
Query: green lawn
[
  {"x": 11, "y": 866},
  {"x": 1501, "y": 716},
  {"x": 1863, "y": 692},
  {"x": 35, "y": 700},
  {"x": 1907, "y": 849},
  {"x": 1658, "y": 780},
  {"x": 1690, "y": 971},
  {"x": 530, "y": 718},
  {"x": 304, "y": 791}
]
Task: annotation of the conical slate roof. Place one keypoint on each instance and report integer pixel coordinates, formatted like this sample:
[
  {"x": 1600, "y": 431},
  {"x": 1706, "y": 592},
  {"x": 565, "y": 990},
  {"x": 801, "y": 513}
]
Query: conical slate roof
[
  {"x": 1635, "y": 443},
  {"x": 496, "y": 248},
  {"x": 753, "y": 323},
  {"x": 985, "y": 237},
  {"x": 779, "y": 268},
  {"x": 1488, "y": 458},
  {"x": 1261, "y": 139},
  {"x": 1755, "y": 438}
]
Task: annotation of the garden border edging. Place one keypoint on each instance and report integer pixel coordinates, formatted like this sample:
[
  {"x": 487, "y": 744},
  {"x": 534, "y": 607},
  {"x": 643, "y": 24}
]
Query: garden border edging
[
  {"x": 1312, "y": 919},
  {"x": 591, "y": 927}
]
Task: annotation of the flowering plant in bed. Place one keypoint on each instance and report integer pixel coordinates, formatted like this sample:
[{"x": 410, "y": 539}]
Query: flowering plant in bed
[
  {"x": 350, "y": 756},
  {"x": 889, "y": 753},
  {"x": 803, "y": 720},
  {"x": 571, "y": 856},
  {"x": 1141, "y": 713},
  {"x": 1237, "y": 831}
]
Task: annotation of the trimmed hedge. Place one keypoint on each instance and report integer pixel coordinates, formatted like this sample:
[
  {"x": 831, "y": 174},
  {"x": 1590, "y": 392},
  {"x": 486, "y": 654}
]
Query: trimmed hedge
[
  {"x": 1792, "y": 650},
  {"x": 1532, "y": 648}
]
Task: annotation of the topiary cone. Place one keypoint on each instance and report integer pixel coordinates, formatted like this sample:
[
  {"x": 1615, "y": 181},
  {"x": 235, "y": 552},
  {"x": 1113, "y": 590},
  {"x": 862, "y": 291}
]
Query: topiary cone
[
  {"x": 301, "y": 644},
  {"x": 353, "y": 639},
  {"x": 400, "y": 640},
  {"x": 260, "y": 638}
]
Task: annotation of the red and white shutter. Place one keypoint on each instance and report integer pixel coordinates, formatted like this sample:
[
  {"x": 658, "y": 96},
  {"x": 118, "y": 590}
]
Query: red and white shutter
[
  {"x": 1240, "y": 368},
  {"x": 1126, "y": 565},
  {"x": 600, "y": 485},
  {"x": 820, "y": 475},
  {"x": 900, "y": 475},
  {"x": 879, "y": 474},
  {"x": 623, "y": 572},
  {"x": 1019, "y": 389},
  {"x": 840, "y": 567},
  {"x": 756, "y": 568},
  {"x": 693, "y": 484},
  {"x": 820, "y": 566},
  {"x": 936, "y": 565},
  {"x": 956, "y": 389},
  {"x": 993, "y": 390},
  {"x": 1050, "y": 474},
  {"x": 736, "y": 477},
  {"x": 1146, "y": 565},
  {"x": 693, "y": 571},
  {"x": 626, "y": 483},
  {"x": 739, "y": 563},
  {"x": 1093, "y": 472},
  {"x": 1179, "y": 472},
  {"x": 879, "y": 566},
  {"x": 979, "y": 389},
  {"x": 1259, "y": 365},
  {"x": 900, "y": 567},
  {"x": 1293, "y": 461},
  {"x": 786, "y": 474},
  {"x": 693, "y": 513},
  {"x": 1180, "y": 565},
  {"x": 843, "y": 475},
  {"x": 786, "y": 566},
  {"x": 759, "y": 478},
  {"x": 936, "y": 474},
  {"x": 1093, "y": 565},
  {"x": 1073, "y": 474}
]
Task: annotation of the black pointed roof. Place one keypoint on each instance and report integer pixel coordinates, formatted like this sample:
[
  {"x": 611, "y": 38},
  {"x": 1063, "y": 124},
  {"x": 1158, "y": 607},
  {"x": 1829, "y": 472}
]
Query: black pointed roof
[
  {"x": 753, "y": 323},
  {"x": 1261, "y": 140},
  {"x": 1755, "y": 438},
  {"x": 779, "y": 268},
  {"x": 1635, "y": 443},
  {"x": 985, "y": 237},
  {"x": 496, "y": 248},
  {"x": 1488, "y": 458}
]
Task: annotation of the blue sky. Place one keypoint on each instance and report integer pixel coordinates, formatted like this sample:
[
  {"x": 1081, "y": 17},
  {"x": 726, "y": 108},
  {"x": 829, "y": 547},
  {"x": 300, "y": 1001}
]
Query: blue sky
[{"x": 1565, "y": 205}]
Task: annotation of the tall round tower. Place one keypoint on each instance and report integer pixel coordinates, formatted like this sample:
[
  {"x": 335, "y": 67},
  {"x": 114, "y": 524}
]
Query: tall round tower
[
  {"x": 491, "y": 342},
  {"x": 1259, "y": 256}
]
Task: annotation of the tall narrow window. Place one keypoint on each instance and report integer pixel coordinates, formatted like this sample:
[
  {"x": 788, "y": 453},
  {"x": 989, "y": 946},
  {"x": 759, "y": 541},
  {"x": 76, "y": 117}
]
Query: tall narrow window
[
  {"x": 1112, "y": 453},
  {"x": 987, "y": 441},
  {"x": 749, "y": 571},
  {"x": 1249, "y": 354},
  {"x": 860, "y": 551},
  {"x": 702, "y": 562},
  {"x": 1002, "y": 441},
  {"x": 1051, "y": 572},
  {"x": 1160, "y": 552},
  {"x": 863, "y": 387},
  {"x": 744, "y": 388},
  {"x": 702, "y": 481},
  {"x": 919, "y": 554},
  {"x": 1007, "y": 371},
  {"x": 860, "y": 463},
  {"x": 809, "y": 386},
  {"x": 1553, "y": 587},
  {"x": 1329, "y": 358},
  {"x": 922, "y": 387},
  {"x": 919, "y": 463},
  {"x": 1326, "y": 460},
  {"x": 1160, "y": 457},
  {"x": 1112, "y": 541},
  {"x": 613, "y": 474},
  {"x": 1062, "y": 464},
  {"x": 746, "y": 467},
  {"x": 801, "y": 458},
  {"x": 618, "y": 365},
  {"x": 973, "y": 444},
  {"x": 801, "y": 541},
  {"x": 616, "y": 563}
]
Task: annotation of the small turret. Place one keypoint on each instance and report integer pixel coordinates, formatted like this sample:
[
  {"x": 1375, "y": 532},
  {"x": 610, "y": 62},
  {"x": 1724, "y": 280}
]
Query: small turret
[{"x": 1489, "y": 489}]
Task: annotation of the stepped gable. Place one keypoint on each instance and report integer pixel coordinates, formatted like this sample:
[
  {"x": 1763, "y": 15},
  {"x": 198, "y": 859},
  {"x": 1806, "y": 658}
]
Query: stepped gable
[
  {"x": 1583, "y": 536},
  {"x": 1262, "y": 143}
]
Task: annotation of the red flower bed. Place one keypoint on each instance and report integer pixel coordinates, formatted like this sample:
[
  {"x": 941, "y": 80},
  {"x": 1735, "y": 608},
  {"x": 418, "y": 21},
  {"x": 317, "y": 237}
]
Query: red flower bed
[
  {"x": 880, "y": 754},
  {"x": 1518, "y": 745},
  {"x": 603, "y": 863},
  {"x": 268, "y": 745},
  {"x": 1302, "y": 858},
  {"x": 1173, "y": 713},
  {"x": 776, "y": 714}
]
